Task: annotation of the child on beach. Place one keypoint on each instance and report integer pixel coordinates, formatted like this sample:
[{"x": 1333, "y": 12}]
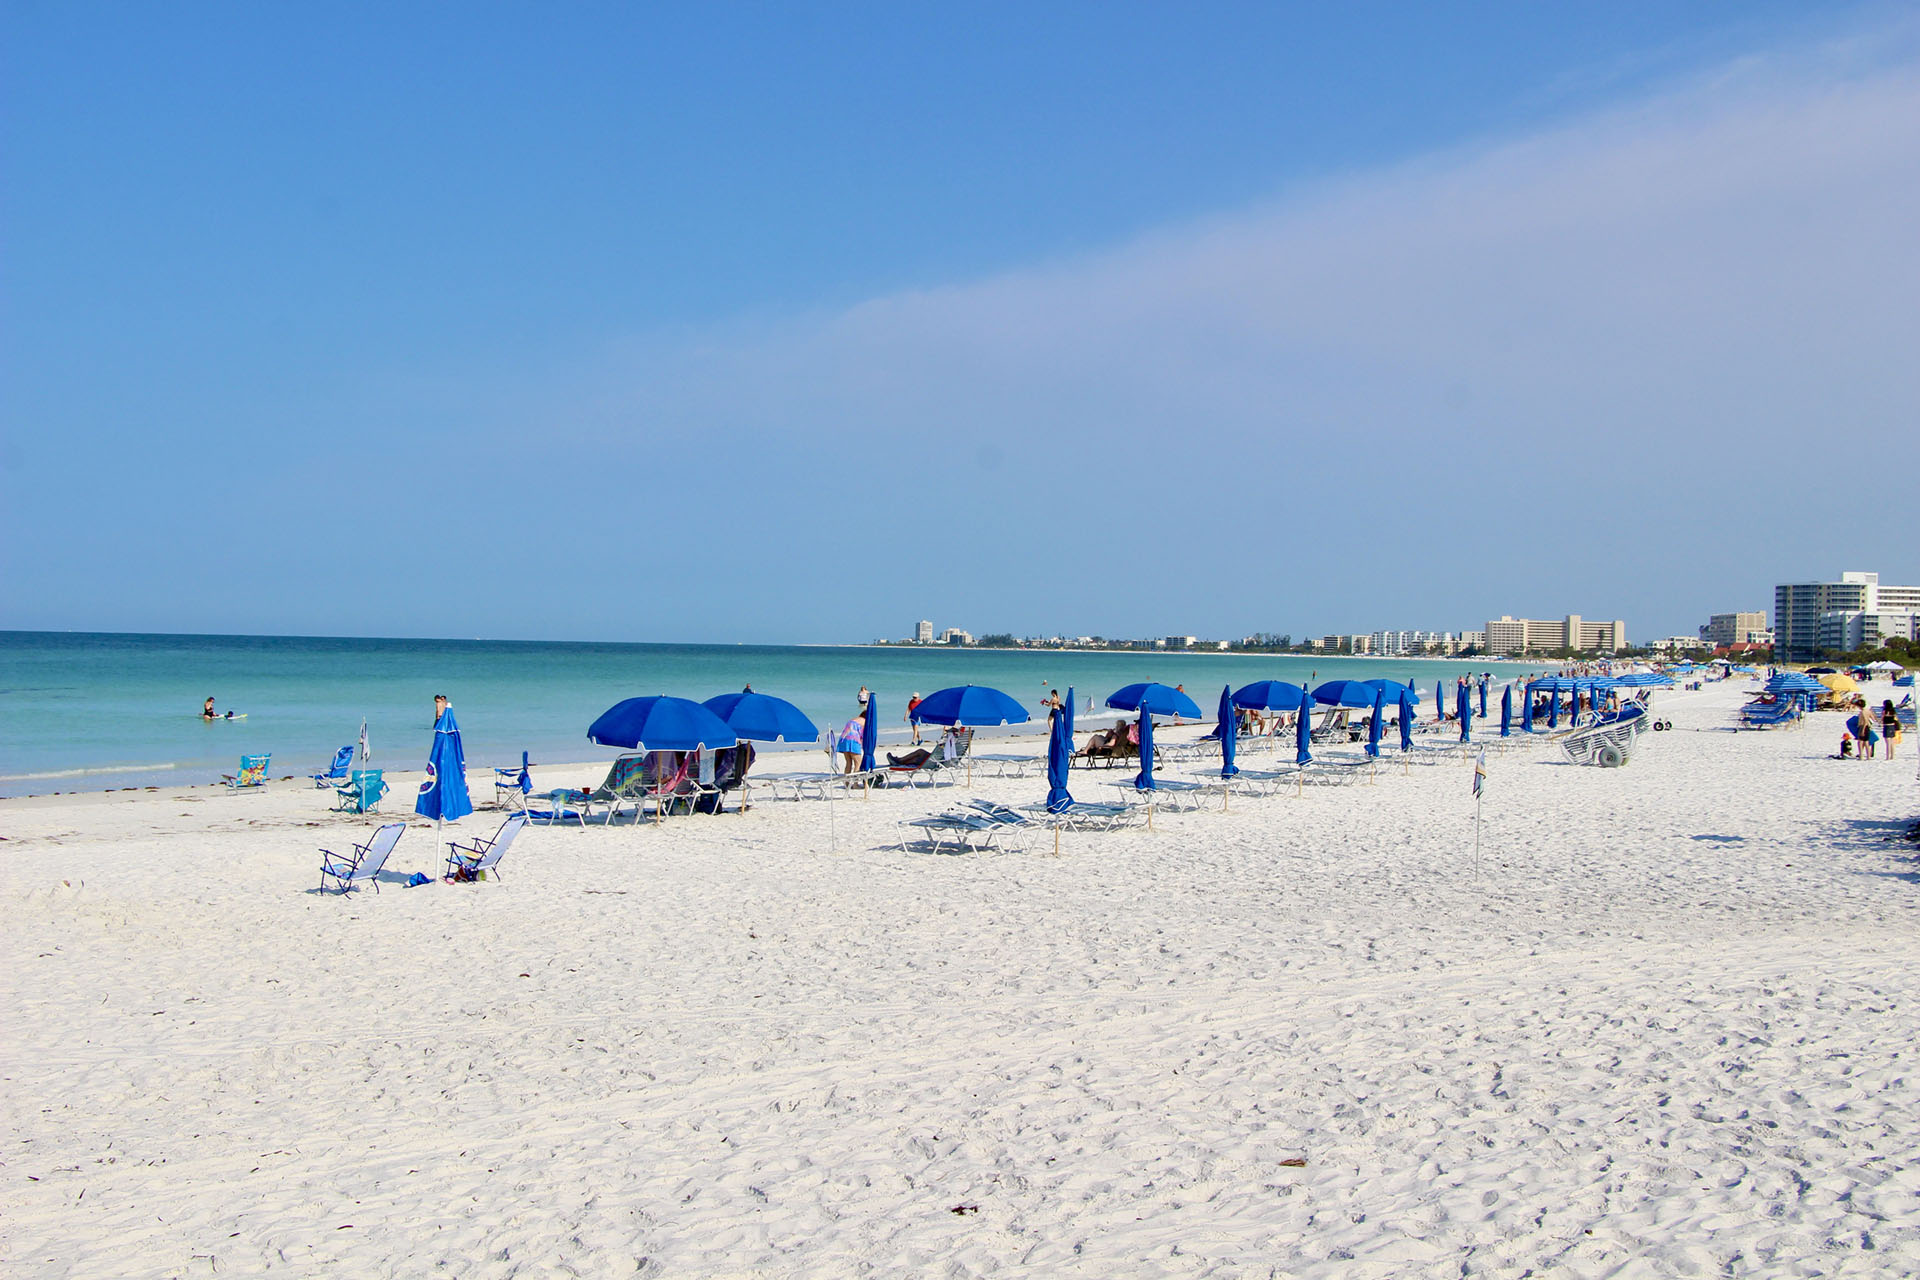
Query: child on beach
[{"x": 1889, "y": 724}]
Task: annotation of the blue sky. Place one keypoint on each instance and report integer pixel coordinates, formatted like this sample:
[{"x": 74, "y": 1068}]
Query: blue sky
[{"x": 799, "y": 323}]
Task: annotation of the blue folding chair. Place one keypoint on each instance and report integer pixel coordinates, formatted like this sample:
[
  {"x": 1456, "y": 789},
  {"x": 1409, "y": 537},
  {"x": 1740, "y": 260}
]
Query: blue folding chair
[
  {"x": 337, "y": 771},
  {"x": 253, "y": 773},
  {"x": 362, "y": 794}
]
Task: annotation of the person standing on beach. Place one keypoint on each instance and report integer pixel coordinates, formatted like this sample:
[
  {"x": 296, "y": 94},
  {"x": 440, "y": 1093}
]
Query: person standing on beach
[
  {"x": 1889, "y": 724},
  {"x": 913, "y": 704},
  {"x": 851, "y": 739}
]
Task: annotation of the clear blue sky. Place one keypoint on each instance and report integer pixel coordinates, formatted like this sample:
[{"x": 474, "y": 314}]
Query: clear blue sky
[{"x": 802, "y": 322}]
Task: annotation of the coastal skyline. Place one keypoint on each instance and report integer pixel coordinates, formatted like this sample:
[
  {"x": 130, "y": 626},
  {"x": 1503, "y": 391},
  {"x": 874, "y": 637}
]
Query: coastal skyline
[{"x": 717, "y": 326}]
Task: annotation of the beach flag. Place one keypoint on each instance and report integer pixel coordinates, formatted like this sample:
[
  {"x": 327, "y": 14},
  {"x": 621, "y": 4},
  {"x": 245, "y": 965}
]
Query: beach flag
[
  {"x": 364, "y": 757},
  {"x": 1480, "y": 773}
]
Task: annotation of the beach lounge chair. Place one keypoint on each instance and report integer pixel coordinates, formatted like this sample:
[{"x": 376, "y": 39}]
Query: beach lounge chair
[
  {"x": 336, "y": 773},
  {"x": 362, "y": 794},
  {"x": 253, "y": 773},
  {"x": 1166, "y": 793},
  {"x": 364, "y": 866},
  {"x": 1089, "y": 815},
  {"x": 559, "y": 807},
  {"x": 473, "y": 861},
  {"x": 965, "y": 831}
]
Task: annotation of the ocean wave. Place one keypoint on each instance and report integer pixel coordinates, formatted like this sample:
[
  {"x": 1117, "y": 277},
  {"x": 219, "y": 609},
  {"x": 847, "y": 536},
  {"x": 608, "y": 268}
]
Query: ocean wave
[{"x": 82, "y": 773}]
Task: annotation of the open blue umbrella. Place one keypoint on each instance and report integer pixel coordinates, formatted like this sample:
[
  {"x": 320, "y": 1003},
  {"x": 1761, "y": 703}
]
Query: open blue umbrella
[
  {"x": 1229, "y": 733},
  {"x": 1268, "y": 695},
  {"x": 970, "y": 704},
  {"x": 761, "y": 717},
  {"x": 1060, "y": 757},
  {"x": 1375, "y": 726},
  {"x": 1406, "y": 719},
  {"x": 659, "y": 723},
  {"x": 869, "y": 735},
  {"x": 1506, "y": 712},
  {"x": 1144, "y": 779},
  {"x": 1393, "y": 689},
  {"x": 1154, "y": 699},
  {"x": 443, "y": 793},
  {"x": 1303, "y": 729},
  {"x": 1464, "y": 706},
  {"x": 1345, "y": 693}
]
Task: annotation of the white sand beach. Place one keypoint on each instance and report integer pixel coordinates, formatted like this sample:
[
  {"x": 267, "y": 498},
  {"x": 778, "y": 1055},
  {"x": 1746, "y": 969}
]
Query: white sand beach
[{"x": 1667, "y": 1030}]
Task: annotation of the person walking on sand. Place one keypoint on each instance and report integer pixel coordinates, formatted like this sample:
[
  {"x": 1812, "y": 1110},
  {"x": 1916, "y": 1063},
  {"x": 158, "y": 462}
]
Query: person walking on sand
[
  {"x": 913, "y": 704},
  {"x": 1889, "y": 725},
  {"x": 1863, "y": 732}
]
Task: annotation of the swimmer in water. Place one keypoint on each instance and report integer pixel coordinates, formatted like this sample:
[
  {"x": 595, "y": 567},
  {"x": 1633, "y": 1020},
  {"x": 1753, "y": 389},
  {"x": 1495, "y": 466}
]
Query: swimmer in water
[{"x": 206, "y": 712}]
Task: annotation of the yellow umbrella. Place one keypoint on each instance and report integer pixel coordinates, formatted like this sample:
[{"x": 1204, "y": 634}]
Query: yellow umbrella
[{"x": 1839, "y": 683}]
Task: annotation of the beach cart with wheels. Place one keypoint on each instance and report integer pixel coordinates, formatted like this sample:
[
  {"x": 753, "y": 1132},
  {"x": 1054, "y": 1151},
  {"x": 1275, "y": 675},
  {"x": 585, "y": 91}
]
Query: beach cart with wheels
[{"x": 1609, "y": 742}]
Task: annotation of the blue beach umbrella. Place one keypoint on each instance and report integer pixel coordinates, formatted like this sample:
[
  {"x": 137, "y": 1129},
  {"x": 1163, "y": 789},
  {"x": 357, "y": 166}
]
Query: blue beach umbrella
[
  {"x": 1506, "y": 712},
  {"x": 1393, "y": 689},
  {"x": 1406, "y": 719},
  {"x": 659, "y": 723},
  {"x": 1268, "y": 695},
  {"x": 1144, "y": 779},
  {"x": 1483, "y": 698},
  {"x": 1374, "y": 726},
  {"x": 1303, "y": 730},
  {"x": 443, "y": 794},
  {"x": 1464, "y": 706},
  {"x": 1229, "y": 733},
  {"x": 869, "y": 735},
  {"x": 970, "y": 704},
  {"x": 1345, "y": 693},
  {"x": 1439, "y": 700},
  {"x": 1526, "y": 710},
  {"x": 1154, "y": 699},
  {"x": 761, "y": 717},
  {"x": 1060, "y": 758}
]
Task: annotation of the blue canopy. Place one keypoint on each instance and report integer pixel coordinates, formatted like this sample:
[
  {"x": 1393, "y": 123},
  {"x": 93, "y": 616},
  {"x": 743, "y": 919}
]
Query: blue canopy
[
  {"x": 1393, "y": 689},
  {"x": 760, "y": 717},
  {"x": 1506, "y": 712},
  {"x": 1229, "y": 732},
  {"x": 870, "y": 734},
  {"x": 1144, "y": 779},
  {"x": 1060, "y": 757},
  {"x": 1794, "y": 682},
  {"x": 1406, "y": 718},
  {"x": 1345, "y": 693},
  {"x": 1464, "y": 707},
  {"x": 1303, "y": 730},
  {"x": 1375, "y": 725},
  {"x": 1643, "y": 679},
  {"x": 659, "y": 723},
  {"x": 443, "y": 793},
  {"x": 1553, "y": 708},
  {"x": 970, "y": 704},
  {"x": 1154, "y": 699},
  {"x": 1268, "y": 695}
]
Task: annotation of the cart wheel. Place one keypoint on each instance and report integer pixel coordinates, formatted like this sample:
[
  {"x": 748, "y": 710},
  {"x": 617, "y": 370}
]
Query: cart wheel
[{"x": 1609, "y": 757}]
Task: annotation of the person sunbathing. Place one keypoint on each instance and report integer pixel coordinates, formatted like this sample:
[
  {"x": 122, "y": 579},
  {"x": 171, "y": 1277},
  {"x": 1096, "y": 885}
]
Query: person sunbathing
[{"x": 911, "y": 760}]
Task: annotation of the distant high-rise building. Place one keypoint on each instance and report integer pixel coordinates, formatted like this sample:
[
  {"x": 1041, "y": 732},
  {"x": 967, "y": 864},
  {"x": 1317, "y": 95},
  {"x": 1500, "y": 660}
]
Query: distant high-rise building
[
  {"x": 1723, "y": 629},
  {"x": 1811, "y": 616},
  {"x": 923, "y": 632},
  {"x": 1507, "y": 635}
]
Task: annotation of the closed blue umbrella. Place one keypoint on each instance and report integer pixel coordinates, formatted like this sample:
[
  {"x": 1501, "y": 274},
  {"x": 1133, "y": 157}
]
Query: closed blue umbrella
[
  {"x": 1229, "y": 733},
  {"x": 1154, "y": 699},
  {"x": 658, "y": 723},
  {"x": 1464, "y": 706},
  {"x": 1144, "y": 779},
  {"x": 1303, "y": 730},
  {"x": 1526, "y": 710},
  {"x": 1406, "y": 719},
  {"x": 970, "y": 704},
  {"x": 1374, "y": 727},
  {"x": 1268, "y": 695},
  {"x": 1506, "y": 712},
  {"x": 1060, "y": 757},
  {"x": 761, "y": 717},
  {"x": 869, "y": 735},
  {"x": 1483, "y": 698},
  {"x": 1553, "y": 708},
  {"x": 1439, "y": 700},
  {"x": 443, "y": 794}
]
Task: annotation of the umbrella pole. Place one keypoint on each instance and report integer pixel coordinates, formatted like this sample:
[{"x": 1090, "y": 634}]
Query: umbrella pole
[{"x": 1056, "y": 837}]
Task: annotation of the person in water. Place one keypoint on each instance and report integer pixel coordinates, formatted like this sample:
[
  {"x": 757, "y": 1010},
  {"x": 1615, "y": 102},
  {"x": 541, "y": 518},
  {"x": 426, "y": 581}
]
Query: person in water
[{"x": 206, "y": 712}]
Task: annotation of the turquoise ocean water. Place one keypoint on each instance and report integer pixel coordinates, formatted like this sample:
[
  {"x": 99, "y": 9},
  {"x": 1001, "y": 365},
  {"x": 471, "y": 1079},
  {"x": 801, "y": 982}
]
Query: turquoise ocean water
[{"x": 87, "y": 712}]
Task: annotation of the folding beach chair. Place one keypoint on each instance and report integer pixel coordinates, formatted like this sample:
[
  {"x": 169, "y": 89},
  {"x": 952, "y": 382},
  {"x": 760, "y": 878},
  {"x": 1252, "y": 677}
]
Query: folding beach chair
[
  {"x": 364, "y": 866},
  {"x": 965, "y": 831},
  {"x": 473, "y": 861},
  {"x": 253, "y": 773},
  {"x": 337, "y": 771},
  {"x": 362, "y": 794}
]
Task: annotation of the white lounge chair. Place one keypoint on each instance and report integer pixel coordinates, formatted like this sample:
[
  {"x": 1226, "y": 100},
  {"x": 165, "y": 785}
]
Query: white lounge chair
[
  {"x": 470, "y": 861},
  {"x": 364, "y": 866}
]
